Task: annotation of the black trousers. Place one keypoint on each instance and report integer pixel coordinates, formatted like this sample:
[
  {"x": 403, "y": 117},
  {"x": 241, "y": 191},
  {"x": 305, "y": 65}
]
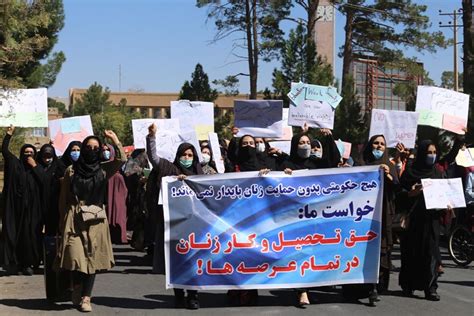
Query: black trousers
[{"x": 86, "y": 280}]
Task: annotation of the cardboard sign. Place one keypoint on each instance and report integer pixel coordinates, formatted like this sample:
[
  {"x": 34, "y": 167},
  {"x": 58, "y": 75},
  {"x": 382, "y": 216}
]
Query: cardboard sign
[
  {"x": 396, "y": 126},
  {"x": 140, "y": 129},
  {"x": 441, "y": 193},
  {"x": 24, "y": 107},
  {"x": 259, "y": 118},
  {"x": 194, "y": 116},
  {"x": 63, "y": 131}
]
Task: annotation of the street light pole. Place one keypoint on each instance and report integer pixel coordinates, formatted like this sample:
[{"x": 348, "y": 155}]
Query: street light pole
[{"x": 454, "y": 25}]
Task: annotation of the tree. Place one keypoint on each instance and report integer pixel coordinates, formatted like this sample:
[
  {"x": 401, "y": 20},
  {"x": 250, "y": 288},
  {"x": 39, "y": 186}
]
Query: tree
[
  {"x": 258, "y": 21},
  {"x": 468, "y": 49},
  {"x": 198, "y": 89},
  {"x": 447, "y": 80},
  {"x": 229, "y": 85},
  {"x": 94, "y": 100},
  {"x": 299, "y": 63},
  {"x": 52, "y": 103},
  {"x": 28, "y": 32}
]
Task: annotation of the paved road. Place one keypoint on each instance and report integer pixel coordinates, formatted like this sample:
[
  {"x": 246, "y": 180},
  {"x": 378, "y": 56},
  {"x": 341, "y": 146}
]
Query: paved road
[{"x": 130, "y": 288}]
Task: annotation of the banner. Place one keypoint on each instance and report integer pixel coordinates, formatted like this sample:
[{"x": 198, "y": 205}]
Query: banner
[
  {"x": 24, "y": 107},
  {"x": 244, "y": 231}
]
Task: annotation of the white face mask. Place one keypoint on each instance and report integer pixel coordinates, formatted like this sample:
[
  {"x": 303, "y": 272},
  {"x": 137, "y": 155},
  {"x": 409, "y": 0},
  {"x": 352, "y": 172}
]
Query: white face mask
[
  {"x": 260, "y": 147},
  {"x": 206, "y": 158}
]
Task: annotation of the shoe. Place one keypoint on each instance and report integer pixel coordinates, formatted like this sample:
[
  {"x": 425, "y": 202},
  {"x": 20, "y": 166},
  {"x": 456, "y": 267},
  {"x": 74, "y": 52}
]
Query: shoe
[
  {"x": 11, "y": 270},
  {"x": 408, "y": 293},
  {"x": 192, "y": 302},
  {"x": 86, "y": 306},
  {"x": 373, "y": 297},
  {"x": 303, "y": 299},
  {"x": 27, "y": 271},
  {"x": 76, "y": 296},
  {"x": 432, "y": 296}
]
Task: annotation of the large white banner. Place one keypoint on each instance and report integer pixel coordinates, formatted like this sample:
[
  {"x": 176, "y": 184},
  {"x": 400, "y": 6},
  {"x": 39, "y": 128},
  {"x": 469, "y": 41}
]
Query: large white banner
[
  {"x": 24, "y": 107},
  {"x": 396, "y": 126}
]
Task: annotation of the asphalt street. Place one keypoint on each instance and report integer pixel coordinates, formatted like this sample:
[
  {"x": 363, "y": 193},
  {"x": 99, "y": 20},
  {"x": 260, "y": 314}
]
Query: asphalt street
[{"x": 130, "y": 288}]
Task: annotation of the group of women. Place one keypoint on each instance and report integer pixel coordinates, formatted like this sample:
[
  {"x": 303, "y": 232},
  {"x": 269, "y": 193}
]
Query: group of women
[{"x": 47, "y": 195}]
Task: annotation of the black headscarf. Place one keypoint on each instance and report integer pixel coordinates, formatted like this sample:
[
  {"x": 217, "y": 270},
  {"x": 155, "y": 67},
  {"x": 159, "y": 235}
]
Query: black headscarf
[
  {"x": 195, "y": 168},
  {"x": 368, "y": 156},
  {"x": 46, "y": 149},
  {"x": 247, "y": 157},
  {"x": 23, "y": 156},
  {"x": 419, "y": 169},
  {"x": 211, "y": 163},
  {"x": 295, "y": 162},
  {"x": 66, "y": 157},
  {"x": 89, "y": 182}
]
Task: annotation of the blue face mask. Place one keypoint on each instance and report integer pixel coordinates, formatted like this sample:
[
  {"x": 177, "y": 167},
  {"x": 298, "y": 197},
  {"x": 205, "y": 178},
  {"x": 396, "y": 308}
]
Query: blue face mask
[
  {"x": 185, "y": 163},
  {"x": 377, "y": 154},
  {"x": 106, "y": 155},
  {"x": 75, "y": 155},
  {"x": 430, "y": 159}
]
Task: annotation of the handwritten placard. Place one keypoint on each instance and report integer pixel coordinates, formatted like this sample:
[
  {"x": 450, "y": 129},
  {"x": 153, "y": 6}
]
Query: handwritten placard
[
  {"x": 216, "y": 152},
  {"x": 396, "y": 126},
  {"x": 451, "y": 105},
  {"x": 24, "y": 107},
  {"x": 283, "y": 145},
  {"x": 140, "y": 129},
  {"x": 344, "y": 148},
  {"x": 167, "y": 143},
  {"x": 441, "y": 193},
  {"x": 259, "y": 118},
  {"x": 318, "y": 114},
  {"x": 63, "y": 131},
  {"x": 465, "y": 157},
  {"x": 197, "y": 116}
]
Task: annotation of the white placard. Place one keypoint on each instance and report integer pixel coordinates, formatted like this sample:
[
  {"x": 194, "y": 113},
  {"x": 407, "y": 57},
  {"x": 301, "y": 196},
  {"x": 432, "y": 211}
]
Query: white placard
[
  {"x": 287, "y": 129},
  {"x": 259, "y": 118},
  {"x": 439, "y": 193},
  {"x": 24, "y": 107},
  {"x": 395, "y": 126},
  {"x": 63, "y": 131},
  {"x": 216, "y": 152},
  {"x": 197, "y": 116},
  {"x": 140, "y": 129},
  {"x": 283, "y": 145},
  {"x": 318, "y": 114},
  {"x": 167, "y": 143}
]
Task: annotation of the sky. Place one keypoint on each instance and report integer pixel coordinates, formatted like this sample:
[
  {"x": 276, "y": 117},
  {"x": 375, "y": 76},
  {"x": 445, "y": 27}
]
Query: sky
[{"x": 157, "y": 44}]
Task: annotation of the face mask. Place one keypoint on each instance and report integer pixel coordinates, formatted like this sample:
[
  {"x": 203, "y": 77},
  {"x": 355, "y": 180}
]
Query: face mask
[
  {"x": 377, "y": 154},
  {"x": 91, "y": 156},
  {"x": 206, "y": 158},
  {"x": 247, "y": 152},
  {"x": 304, "y": 151},
  {"x": 430, "y": 159},
  {"x": 106, "y": 154},
  {"x": 317, "y": 154},
  {"x": 185, "y": 163},
  {"x": 260, "y": 147},
  {"x": 48, "y": 161},
  {"x": 75, "y": 155}
]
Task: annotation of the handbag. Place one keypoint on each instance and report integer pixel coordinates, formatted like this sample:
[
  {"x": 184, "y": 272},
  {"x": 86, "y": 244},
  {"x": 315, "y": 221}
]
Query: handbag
[{"x": 92, "y": 212}]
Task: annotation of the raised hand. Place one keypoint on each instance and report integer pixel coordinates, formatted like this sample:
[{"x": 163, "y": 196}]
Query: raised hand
[
  {"x": 152, "y": 129},
  {"x": 31, "y": 161},
  {"x": 110, "y": 134},
  {"x": 10, "y": 130}
]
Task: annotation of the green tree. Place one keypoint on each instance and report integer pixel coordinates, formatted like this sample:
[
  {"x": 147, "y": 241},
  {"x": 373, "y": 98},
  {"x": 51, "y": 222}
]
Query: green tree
[
  {"x": 198, "y": 89},
  {"x": 468, "y": 62},
  {"x": 94, "y": 100},
  {"x": 299, "y": 63},
  {"x": 447, "y": 79},
  {"x": 258, "y": 23},
  {"x": 28, "y": 32},
  {"x": 52, "y": 103},
  {"x": 229, "y": 85}
]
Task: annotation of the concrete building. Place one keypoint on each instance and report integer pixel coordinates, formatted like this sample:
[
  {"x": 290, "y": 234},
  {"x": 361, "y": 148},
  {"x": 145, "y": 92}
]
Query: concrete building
[{"x": 325, "y": 32}]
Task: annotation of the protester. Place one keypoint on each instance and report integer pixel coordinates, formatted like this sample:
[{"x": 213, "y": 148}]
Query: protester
[
  {"x": 185, "y": 164},
  {"x": 23, "y": 208},
  {"x": 400, "y": 159},
  {"x": 53, "y": 172},
  {"x": 207, "y": 164},
  {"x": 116, "y": 201},
  {"x": 420, "y": 242},
  {"x": 86, "y": 247},
  {"x": 270, "y": 158},
  {"x": 71, "y": 154}
]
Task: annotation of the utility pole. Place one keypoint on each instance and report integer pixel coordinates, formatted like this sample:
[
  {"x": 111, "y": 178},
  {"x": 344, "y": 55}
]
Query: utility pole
[
  {"x": 454, "y": 25},
  {"x": 120, "y": 77}
]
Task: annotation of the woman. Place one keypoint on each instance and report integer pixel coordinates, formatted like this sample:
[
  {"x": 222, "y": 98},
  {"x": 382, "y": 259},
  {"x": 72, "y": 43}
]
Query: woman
[
  {"x": 420, "y": 243},
  {"x": 22, "y": 209},
  {"x": 300, "y": 158},
  {"x": 53, "y": 171},
  {"x": 208, "y": 165},
  {"x": 71, "y": 154},
  {"x": 186, "y": 163},
  {"x": 376, "y": 153},
  {"x": 117, "y": 200},
  {"x": 269, "y": 157},
  {"x": 86, "y": 247}
]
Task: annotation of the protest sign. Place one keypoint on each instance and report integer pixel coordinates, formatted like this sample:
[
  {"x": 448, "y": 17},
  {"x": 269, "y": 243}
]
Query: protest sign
[
  {"x": 245, "y": 231},
  {"x": 465, "y": 157},
  {"x": 396, "y": 126},
  {"x": 167, "y": 143},
  {"x": 439, "y": 193},
  {"x": 317, "y": 114},
  {"x": 194, "y": 116},
  {"x": 283, "y": 145},
  {"x": 63, "y": 131},
  {"x": 259, "y": 118},
  {"x": 140, "y": 129},
  {"x": 344, "y": 148},
  {"x": 216, "y": 152},
  {"x": 287, "y": 129},
  {"x": 24, "y": 107},
  {"x": 452, "y": 106}
]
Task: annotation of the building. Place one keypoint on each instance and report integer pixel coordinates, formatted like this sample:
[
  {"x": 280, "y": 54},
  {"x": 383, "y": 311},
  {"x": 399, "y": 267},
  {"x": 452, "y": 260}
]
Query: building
[
  {"x": 39, "y": 136},
  {"x": 325, "y": 32},
  {"x": 155, "y": 105},
  {"x": 374, "y": 85}
]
